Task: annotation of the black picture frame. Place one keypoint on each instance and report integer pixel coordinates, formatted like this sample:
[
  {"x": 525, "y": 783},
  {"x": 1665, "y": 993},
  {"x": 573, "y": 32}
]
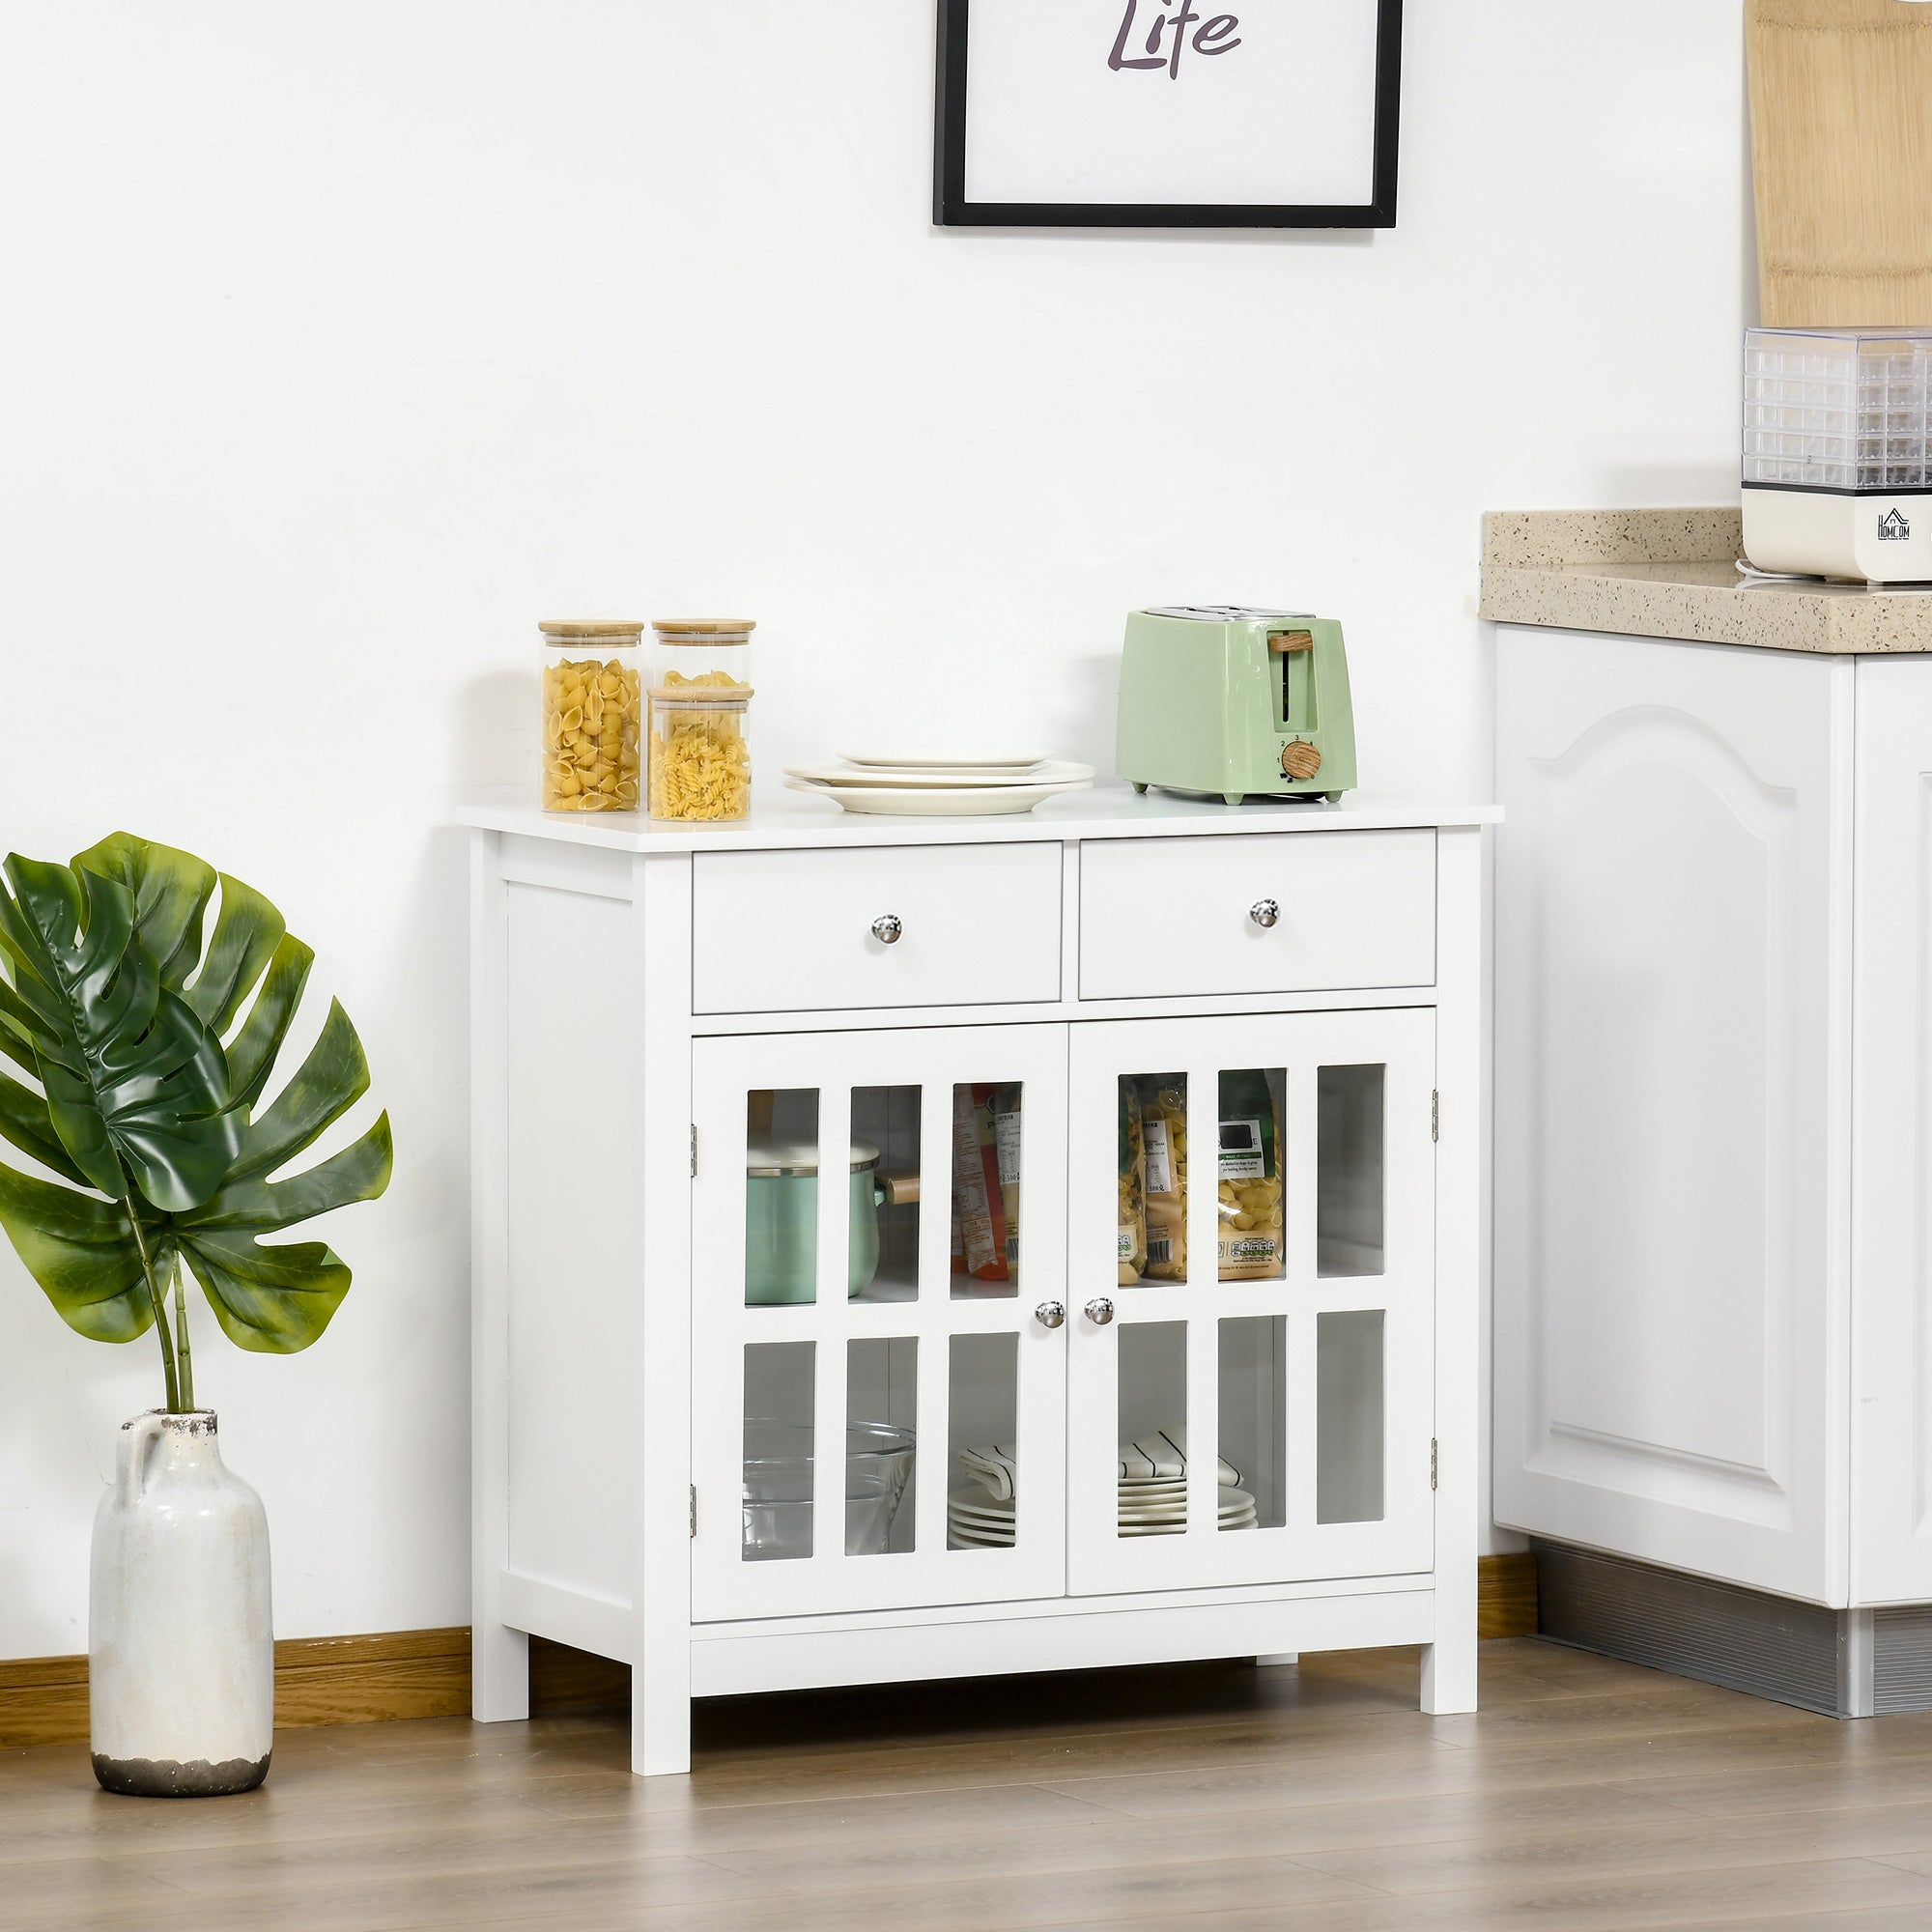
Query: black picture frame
[{"x": 951, "y": 210}]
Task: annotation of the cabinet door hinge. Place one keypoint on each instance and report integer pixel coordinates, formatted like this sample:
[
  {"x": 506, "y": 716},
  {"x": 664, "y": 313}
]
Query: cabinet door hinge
[
  {"x": 1435, "y": 1118},
  {"x": 694, "y": 1150},
  {"x": 694, "y": 1509},
  {"x": 1432, "y": 1462}
]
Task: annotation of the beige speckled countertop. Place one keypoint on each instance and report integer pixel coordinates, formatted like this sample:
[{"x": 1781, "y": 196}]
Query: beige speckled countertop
[{"x": 1674, "y": 573}]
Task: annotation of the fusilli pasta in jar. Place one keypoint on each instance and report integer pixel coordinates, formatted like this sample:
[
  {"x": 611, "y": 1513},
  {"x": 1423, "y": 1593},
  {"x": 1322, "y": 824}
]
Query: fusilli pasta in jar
[
  {"x": 697, "y": 718},
  {"x": 700, "y": 764}
]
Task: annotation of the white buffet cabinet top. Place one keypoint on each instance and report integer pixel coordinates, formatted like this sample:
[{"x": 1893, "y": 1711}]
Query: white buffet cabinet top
[{"x": 1110, "y": 810}]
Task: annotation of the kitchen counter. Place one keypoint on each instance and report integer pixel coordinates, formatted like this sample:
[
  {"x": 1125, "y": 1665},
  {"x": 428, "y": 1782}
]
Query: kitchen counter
[{"x": 1674, "y": 573}]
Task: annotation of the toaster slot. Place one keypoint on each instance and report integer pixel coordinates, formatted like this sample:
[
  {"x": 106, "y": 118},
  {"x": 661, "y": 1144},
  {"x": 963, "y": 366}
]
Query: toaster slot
[{"x": 1292, "y": 655}]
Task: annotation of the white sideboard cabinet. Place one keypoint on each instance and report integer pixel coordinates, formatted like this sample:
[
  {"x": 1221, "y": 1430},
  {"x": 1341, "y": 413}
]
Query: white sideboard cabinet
[
  {"x": 742, "y": 1098},
  {"x": 1714, "y": 1152}
]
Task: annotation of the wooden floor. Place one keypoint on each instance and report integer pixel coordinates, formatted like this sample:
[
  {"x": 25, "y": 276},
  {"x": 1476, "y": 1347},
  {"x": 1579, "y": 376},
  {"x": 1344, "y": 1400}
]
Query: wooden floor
[{"x": 1211, "y": 1798}]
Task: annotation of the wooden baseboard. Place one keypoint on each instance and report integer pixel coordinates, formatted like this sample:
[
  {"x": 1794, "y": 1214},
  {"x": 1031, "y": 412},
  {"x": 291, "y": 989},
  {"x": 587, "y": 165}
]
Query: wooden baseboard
[
  {"x": 43, "y": 1701},
  {"x": 361, "y": 1680},
  {"x": 319, "y": 1680},
  {"x": 1506, "y": 1595}
]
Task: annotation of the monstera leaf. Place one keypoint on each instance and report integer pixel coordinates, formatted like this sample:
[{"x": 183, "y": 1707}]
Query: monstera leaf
[
  {"x": 279, "y": 1298},
  {"x": 137, "y": 1085},
  {"x": 177, "y": 1114}
]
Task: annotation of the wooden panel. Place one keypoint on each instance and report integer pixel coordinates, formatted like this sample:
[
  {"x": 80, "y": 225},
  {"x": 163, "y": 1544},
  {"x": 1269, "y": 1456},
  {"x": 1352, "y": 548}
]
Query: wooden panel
[
  {"x": 324, "y": 1679},
  {"x": 1506, "y": 1595},
  {"x": 43, "y": 1701},
  {"x": 359, "y": 1679},
  {"x": 792, "y": 932},
  {"x": 1841, "y": 160},
  {"x": 1161, "y": 919},
  {"x": 563, "y": 1679}
]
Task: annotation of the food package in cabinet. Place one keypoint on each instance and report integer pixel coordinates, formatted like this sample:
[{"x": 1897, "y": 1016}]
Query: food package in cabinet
[
  {"x": 1253, "y": 1241},
  {"x": 1163, "y": 1101},
  {"x": 977, "y": 1195},
  {"x": 1132, "y": 1231},
  {"x": 1005, "y": 1126}
]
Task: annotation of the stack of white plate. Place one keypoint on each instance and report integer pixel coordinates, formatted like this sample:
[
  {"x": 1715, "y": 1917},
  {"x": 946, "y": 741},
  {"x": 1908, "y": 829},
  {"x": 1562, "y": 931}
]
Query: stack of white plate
[
  {"x": 1157, "y": 1506},
  {"x": 932, "y": 785},
  {"x": 977, "y": 1519}
]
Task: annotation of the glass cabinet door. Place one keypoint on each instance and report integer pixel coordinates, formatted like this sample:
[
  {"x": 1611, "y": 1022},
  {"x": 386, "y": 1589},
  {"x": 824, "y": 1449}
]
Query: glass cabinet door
[
  {"x": 879, "y": 1406},
  {"x": 1250, "y": 1272}
]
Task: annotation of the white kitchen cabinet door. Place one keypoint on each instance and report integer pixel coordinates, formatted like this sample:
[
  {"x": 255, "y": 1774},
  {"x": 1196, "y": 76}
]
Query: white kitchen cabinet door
[
  {"x": 1311, "y": 1374},
  {"x": 1891, "y": 1259},
  {"x": 803, "y": 1353},
  {"x": 1672, "y": 1104}
]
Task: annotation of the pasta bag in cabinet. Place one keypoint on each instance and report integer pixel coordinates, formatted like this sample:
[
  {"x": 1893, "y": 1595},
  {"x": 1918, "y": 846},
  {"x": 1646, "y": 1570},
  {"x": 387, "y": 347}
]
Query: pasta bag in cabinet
[
  {"x": 1005, "y": 1128},
  {"x": 1163, "y": 1100},
  {"x": 1253, "y": 1240},
  {"x": 977, "y": 1195},
  {"x": 1132, "y": 1232}
]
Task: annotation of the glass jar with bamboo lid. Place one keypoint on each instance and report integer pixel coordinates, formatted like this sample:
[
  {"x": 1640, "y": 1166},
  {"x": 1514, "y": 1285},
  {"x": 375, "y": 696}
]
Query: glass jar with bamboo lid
[
  {"x": 698, "y": 719},
  {"x": 592, "y": 715}
]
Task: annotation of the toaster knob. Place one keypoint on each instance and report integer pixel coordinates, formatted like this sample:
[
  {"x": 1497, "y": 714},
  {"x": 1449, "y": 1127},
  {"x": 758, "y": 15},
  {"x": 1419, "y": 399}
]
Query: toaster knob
[
  {"x": 1300, "y": 760},
  {"x": 1265, "y": 912}
]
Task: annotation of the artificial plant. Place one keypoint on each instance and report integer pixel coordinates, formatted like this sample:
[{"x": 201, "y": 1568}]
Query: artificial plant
[{"x": 152, "y": 1038}]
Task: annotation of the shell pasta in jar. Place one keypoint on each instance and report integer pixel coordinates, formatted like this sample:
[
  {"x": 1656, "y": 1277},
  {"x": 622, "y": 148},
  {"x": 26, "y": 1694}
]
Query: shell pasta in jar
[
  {"x": 701, "y": 762},
  {"x": 592, "y": 717}
]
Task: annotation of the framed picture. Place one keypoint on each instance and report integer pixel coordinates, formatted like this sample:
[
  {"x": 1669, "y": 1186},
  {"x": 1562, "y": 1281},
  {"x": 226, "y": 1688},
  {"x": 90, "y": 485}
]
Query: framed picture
[{"x": 1167, "y": 113}]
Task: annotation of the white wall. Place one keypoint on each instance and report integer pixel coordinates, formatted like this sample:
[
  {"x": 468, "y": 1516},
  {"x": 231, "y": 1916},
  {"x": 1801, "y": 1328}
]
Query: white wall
[{"x": 342, "y": 343}]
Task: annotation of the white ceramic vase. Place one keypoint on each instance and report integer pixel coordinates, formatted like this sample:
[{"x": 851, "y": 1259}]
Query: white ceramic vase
[{"x": 181, "y": 1649}]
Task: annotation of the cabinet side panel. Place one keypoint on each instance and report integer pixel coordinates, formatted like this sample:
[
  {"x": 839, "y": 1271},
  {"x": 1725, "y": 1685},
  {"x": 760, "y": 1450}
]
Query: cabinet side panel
[
  {"x": 1667, "y": 1282},
  {"x": 1892, "y": 1265},
  {"x": 573, "y": 1165}
]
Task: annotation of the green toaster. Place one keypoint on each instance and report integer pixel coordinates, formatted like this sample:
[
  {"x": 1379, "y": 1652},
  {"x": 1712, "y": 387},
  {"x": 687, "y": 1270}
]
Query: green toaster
[{"x": 1243, "y": 703}]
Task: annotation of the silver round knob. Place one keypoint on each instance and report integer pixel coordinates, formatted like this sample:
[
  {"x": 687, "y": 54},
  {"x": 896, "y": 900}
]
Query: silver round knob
[
  {"x": 1100, "y": 1311},
  {"x": 1264, "y": 913},
  {"x": 886, "y": 930},
  {"x": 1050, "y": 1314}
]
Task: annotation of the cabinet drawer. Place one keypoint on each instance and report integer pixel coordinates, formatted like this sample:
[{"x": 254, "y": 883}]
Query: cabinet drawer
[
  {"x": 1166, "y": 918},
  {"x": 792, "y": 932}
]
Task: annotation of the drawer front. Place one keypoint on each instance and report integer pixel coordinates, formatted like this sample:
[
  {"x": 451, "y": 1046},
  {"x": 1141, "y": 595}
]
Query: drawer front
[
  {"x": 792, "y": 932},
  {"x": 1167, "y": 917}
]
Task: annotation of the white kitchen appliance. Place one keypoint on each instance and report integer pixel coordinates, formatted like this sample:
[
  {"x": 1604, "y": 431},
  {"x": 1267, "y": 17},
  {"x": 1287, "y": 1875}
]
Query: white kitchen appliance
[{"x": 1835, "y": 453}]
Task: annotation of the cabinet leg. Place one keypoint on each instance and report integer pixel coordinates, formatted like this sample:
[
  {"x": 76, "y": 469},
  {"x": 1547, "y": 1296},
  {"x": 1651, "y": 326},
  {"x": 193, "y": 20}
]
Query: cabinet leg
[
  {"x": 1280, "y": 1657},
  {"x": 499, "y": 1674},
  {"x": 659, "y": 1730},
  {"x": 1449, "y": 1675}
]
